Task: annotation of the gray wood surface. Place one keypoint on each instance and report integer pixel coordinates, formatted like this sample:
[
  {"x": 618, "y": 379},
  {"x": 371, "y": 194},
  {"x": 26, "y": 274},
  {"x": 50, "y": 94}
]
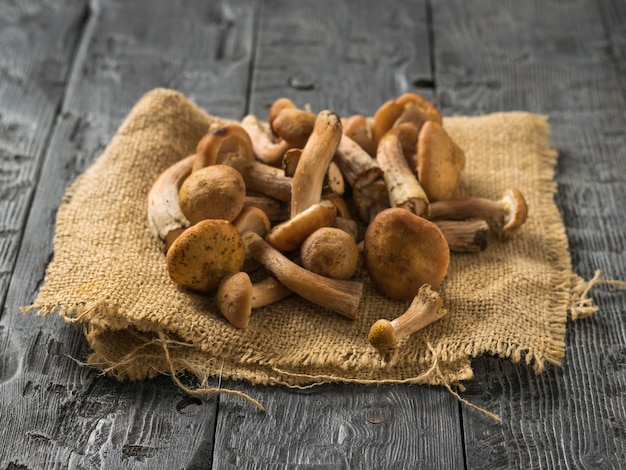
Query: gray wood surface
[{"x": 71, "y": 70}]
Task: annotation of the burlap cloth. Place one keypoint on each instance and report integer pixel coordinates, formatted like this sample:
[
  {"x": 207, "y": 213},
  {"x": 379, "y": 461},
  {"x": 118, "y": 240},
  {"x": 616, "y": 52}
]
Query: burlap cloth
[{"x": 108, "y": 274}]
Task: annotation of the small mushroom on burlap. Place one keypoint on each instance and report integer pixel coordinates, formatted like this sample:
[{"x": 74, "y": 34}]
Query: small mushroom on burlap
[
  {"x": 425, "y": 308},
  {"x": 505, "y": 216},
  {"x": 403, "y": 251}
]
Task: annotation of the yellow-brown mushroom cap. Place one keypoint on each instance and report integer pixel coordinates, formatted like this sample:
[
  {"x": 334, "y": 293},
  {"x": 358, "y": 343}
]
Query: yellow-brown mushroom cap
[
  {"x": 204, "y": 253},
  {"x": 403, "y": 251}
]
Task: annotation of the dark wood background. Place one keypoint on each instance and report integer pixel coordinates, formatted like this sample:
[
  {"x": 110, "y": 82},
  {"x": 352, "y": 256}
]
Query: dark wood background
[{"x": 70, "y": 70}]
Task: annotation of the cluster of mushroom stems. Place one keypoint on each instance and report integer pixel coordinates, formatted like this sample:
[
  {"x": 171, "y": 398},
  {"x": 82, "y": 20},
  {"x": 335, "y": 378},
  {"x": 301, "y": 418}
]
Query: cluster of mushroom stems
[{"x": 304, "y": 203}]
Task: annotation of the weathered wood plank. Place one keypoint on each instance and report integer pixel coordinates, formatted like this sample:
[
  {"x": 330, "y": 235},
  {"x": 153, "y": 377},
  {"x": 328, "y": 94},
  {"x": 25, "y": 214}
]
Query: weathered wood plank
[
  {"x": 348, "y": 56},
  {"x": 63, "y": 414},
  {"x": 551, "y": 58},
  {"x": 37, "y": 40}
]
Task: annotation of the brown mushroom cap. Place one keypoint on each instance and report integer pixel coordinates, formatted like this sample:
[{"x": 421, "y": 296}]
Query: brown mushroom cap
[
  {"x": 234, "y": 298},
  {"x": 439, "y": 162},
  {"x": 516, "y": 212},
  {"x": 404, "y": 251},
  {"x": 204, "y": 253},
  {"x": 331, "y": 252},
  {"x": 212, "y": 192}
]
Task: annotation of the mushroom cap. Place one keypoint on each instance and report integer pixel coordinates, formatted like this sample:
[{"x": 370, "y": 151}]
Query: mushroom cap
[
  {"x": 382, "y": 336},
  {"x": 420, "y": 104},
  {"x": 212, "y": 192},
  {"x": 517, "y": 212},
  {"x": 331, "y": 252},
  {"x": 440, "y": 162},
  {"x": 234, "y": 298},
  {"x": 204, "y": 253},
  {"x": 403, "y": 251},
  {"x": 221, "y": 141}
]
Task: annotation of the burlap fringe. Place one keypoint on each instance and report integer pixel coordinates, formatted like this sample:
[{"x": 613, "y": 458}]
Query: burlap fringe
[{"x": 581, "y": 304}]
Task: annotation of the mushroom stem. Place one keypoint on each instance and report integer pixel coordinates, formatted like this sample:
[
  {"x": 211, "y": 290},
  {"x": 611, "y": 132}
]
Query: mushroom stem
[
  {"x": 404, "y": 189},
  {"x": 504, "y": 215},
  {"x": 277, "y": 211},
  {"x": 317, "y": 154},
  {"x": 268, "y": 291},
  {"x": 265, "y": 147},
  {"x": 356, "y": 165},
  {"x": 165, "y": 219},
  {"x": 340, "y": 296},
  {"x": 425, "y": 308},
  {"x": 464, "y": 236}
]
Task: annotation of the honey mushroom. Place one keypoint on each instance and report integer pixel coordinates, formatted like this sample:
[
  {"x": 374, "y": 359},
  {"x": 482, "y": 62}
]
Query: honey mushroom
[
  {"x": 505, "y": 215},
  {"x": 204, "y": 253},
  {"x": 331, "y": 252},
  {"x": 403, "y": 251},
  {"x": 425, "y": 308},
  {"x": 212, "y": 192},
  {"x": 220, "y": 142}
]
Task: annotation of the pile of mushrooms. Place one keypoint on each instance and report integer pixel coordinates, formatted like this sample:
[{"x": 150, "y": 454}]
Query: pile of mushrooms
[{"x": 302, "y": 201}]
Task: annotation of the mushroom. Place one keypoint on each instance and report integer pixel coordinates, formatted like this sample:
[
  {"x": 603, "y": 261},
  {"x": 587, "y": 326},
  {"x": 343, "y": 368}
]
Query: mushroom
[
  {"x": 408, "y": 107},
  {"x": 294, "y": 125},
  {"x": 417, "y": 110},
  {"x": 289, "y": 235},
  {"x": 331, "y": 252},
  {"x": 403, "y": 251},
  {"x": 277, "y": 107},
  {"x": 266, "y": 149},
  {"x": 404, "y": 189},
  {"x": 359, "y": 129},
  {"x": 425, "y": 308},
  {"x": 317, "y": 154},
  {"x": 234, "y": 298},
  {"x": 440, "y": 162},
  {"x": 212, "y": 192},
  {"x": 165, "y": 219},
  {"x": 204, "y": 253},
  {"x": 220, "y": 142},
  {"x": 505, "y": 216},
  {"x": 340, "y": 296}
]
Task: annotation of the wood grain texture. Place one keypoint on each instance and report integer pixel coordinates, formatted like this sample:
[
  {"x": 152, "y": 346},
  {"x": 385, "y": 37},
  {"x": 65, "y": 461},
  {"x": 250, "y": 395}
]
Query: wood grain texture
[
  {"x": 62, "y": 414},
  {"x": 557, "y": 59},
  {"x": 38, "y": 40},
  {"x": 352, "y": 56},
  {"x": 349, "y": 55},
  {"x": 339, "y": 427}
]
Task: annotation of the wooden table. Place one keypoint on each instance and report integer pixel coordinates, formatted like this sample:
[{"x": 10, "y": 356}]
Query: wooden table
[{"x": 70, "y": 71}]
